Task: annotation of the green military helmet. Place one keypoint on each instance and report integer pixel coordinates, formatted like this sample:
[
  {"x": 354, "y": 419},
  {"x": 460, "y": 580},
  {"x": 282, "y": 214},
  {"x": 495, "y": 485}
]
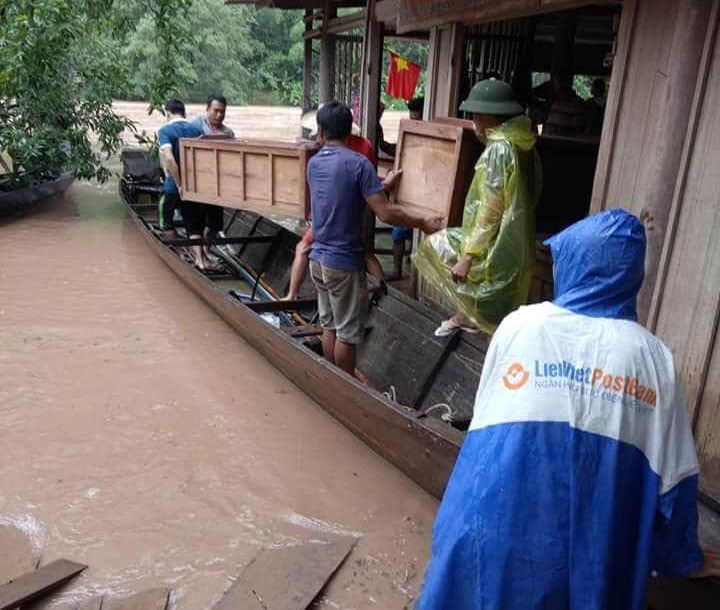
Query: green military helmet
[{"x": 491, "y": 96}]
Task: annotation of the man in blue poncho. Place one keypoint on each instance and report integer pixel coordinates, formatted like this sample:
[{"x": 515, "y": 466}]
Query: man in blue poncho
[{"x": 578, "y": 477}]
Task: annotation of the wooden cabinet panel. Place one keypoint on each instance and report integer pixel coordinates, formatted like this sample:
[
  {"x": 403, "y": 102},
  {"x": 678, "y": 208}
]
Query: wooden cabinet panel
[
  {"x": 262, "y": 176},
  {"x": 437, "y": 160}
]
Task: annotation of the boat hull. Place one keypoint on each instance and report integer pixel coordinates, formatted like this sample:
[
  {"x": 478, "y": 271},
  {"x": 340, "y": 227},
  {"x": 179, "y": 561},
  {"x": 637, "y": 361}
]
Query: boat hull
[
  {"x": 20, "y": 200},
  {"x": 425, "y": 449}
]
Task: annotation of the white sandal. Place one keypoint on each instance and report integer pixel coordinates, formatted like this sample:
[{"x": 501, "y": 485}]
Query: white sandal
[{"x": 448, "y": 326}]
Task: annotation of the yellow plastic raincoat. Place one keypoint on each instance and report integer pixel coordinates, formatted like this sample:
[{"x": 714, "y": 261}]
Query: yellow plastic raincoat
[{"x": 498, "y": 230}]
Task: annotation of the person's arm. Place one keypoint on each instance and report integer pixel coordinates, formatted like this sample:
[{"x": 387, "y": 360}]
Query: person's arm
[
  {"x": 388, "y": 148},
  {"x": 170, "y": 164},
  {"x": 395, "y": 215}
]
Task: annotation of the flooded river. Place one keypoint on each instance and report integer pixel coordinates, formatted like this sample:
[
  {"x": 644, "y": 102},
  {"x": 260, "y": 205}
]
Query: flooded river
[{"x": 142, "y": 436}]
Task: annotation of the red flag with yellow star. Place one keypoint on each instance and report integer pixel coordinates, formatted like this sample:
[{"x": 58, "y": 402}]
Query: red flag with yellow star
[{"x": 402, "y": 77}]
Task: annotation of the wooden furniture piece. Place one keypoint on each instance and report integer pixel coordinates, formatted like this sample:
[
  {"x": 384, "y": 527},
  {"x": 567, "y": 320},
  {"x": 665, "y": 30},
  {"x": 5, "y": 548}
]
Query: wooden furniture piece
[
  {"x": 437, "y": 160},
  {"x": 259, "y": 175}
]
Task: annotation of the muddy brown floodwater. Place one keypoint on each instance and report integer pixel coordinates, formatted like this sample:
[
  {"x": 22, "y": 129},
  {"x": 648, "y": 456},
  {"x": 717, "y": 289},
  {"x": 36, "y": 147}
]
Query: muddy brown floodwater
[
  {"x": 267, "y": 122},
  {"x": 142, "y": 436}
]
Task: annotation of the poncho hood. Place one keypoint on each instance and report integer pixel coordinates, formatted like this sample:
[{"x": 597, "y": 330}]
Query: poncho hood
[
  {"x": 599, "y": 265},
  {"x": 517, "y": 131}
]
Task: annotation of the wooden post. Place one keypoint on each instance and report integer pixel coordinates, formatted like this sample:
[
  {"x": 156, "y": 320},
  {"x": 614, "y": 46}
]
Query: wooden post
[
  {"x": 371, "y": 74},
  {"x": 327, "y": 56},
  {"x": 648, "y": 115},
  {"x": 457, "y": 55},
  {"x": 431, "y": 76},
  {"x": 307, "y": 66}
]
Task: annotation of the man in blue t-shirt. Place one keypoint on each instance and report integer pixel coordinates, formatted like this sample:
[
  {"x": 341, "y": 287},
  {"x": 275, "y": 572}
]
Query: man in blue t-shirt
[
  {"x": 169, "y": 142},
  {"x": 342, "y": 183},
  {"x": 199, "y": 218}
]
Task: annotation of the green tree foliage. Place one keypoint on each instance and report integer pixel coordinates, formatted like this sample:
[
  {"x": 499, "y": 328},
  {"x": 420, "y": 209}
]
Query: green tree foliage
[
  {"x": 250, "y": 56},
  {"x": 51, "y": 53},
  {"x": 61, "y": 64}
]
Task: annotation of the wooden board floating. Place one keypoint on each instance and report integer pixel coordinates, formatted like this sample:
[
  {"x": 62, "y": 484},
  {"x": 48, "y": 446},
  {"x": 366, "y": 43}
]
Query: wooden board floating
[
  {"x": 286, "y": 579},
  {"x": 33, "y": 585}
]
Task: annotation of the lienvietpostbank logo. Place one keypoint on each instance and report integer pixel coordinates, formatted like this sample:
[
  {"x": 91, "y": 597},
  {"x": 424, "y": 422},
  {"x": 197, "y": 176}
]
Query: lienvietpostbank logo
[
  {"x": 516, "y": 376},
  {"x": 595, "y": 381}
]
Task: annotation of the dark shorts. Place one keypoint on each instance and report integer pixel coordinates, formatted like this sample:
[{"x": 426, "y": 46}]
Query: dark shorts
[
  {"x": 166, "y": 207},
  {"x": 197, "y": 216}
]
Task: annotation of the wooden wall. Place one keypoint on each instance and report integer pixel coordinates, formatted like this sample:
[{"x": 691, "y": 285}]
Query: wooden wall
[{"x": 661, "y": 155}]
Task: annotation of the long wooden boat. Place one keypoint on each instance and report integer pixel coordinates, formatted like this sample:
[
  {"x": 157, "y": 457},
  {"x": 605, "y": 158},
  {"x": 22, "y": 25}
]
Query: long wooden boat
[
  {"x": 20, "y": 200},
  {"x": 416, "y": 379},
  {"x": 421, "y": 388}
]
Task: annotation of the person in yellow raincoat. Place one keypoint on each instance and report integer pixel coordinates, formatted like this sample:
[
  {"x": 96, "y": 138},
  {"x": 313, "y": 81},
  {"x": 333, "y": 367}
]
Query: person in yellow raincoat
[{"x": 485, "y": 267}]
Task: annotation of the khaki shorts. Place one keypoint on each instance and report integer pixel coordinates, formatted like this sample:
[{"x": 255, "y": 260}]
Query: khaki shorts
[{"x": 342, "y": 301}]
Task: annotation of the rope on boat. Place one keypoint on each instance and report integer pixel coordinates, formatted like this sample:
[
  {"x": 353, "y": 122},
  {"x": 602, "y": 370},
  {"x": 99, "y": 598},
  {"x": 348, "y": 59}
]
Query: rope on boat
[
  {"x": 391, "y": 394},
  {"x": 447, "y": 417}
]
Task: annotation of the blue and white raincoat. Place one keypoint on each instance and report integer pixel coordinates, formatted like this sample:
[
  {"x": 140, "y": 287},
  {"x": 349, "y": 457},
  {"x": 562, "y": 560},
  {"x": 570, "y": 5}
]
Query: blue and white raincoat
[{"x": 578, "y": 476}]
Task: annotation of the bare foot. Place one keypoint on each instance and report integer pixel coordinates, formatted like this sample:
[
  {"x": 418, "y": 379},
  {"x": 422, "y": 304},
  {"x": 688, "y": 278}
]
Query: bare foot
[
  {"x": 290, "y": 296},
  {"x": 460, "y": 319},
  {"x": 361, "y": 377}
]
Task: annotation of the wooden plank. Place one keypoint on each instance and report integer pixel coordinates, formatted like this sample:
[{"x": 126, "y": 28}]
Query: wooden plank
[
  {"x": 287, "y": 578},
  {"x": 688, "y": 150},
  {"x": 352, "y": 21},
  {"x": 424, "y": 450},
  {"x": 690, "y": 304},
  {"x": 401, "y": 351},
  {"x": 273, "y": 306},
  {"x": 707, "y": 427},
  {"x": 307, "y": 61},
  {"x": 651, "y": 121},
  {"x": 326, "y": 88},
  {"x": 424, "y": 14},
  {"x": 457, "y": 378},
  {"x": 370, "y": 81},
  {"x": 153, "y": 599},
  {"x": 33, "y": 585}
]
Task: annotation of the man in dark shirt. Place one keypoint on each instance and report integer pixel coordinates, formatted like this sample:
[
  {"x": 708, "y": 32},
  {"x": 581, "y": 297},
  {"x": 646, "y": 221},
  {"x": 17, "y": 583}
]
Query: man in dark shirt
[
  {"x": 196, "y": 216},
  {"x": 342, "y": 183},
  {"x": 169, "y": 142}
]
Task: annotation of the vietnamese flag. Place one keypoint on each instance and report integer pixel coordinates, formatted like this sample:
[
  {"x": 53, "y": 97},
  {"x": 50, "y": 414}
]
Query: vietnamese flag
[{"x": 402, "y": 77}]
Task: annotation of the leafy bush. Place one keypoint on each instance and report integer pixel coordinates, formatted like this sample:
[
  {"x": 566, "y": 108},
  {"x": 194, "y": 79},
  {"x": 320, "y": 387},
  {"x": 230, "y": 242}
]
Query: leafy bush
[{"x": 61, "y": 64}]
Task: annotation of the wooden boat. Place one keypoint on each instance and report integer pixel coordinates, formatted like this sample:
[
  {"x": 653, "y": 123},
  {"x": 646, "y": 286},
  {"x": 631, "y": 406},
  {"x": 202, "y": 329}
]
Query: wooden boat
[
  {"x": 17, "y": 201},
  {"x": 421, "y": 389},
  {"x": 415, "y": 378}
]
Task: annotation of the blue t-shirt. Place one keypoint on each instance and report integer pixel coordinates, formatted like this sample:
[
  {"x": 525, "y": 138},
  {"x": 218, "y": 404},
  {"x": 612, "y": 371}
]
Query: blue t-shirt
[
  {"x": 171, "y": 134},
  {"x": 340, "y": 181}
]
